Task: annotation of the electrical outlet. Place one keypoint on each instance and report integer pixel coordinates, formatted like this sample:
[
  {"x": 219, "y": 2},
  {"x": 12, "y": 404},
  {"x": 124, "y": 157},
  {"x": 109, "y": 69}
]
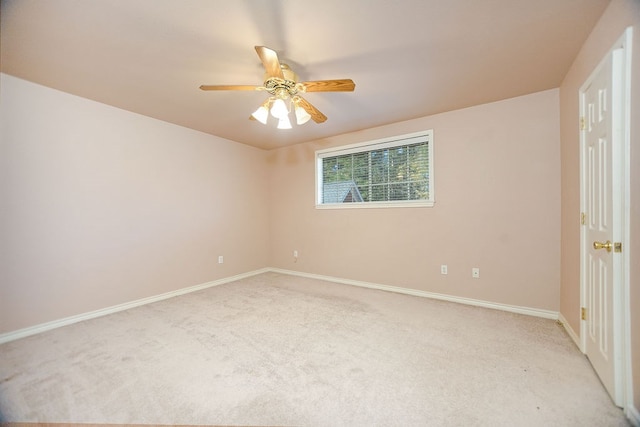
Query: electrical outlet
[
  {"x": 295, "y": 254},
  {"x": 220, "y": 259},
  {"x": 443, "y": 269},
  {"x": 475, "y": 272}
]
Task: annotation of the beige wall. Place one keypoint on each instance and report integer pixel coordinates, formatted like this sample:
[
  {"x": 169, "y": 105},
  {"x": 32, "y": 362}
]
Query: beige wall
[
  {"x": 100, "y": 206},
  {"x": 497, "y": 174},
  {"x": 619, "y": 15}
]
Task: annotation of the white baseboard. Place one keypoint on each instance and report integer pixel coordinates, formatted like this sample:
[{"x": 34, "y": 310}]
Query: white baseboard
[
  {"x": 633, "y": 415},
  {"x": 571, "y": 332},
  {"x": 36, "y": 329},
  {"x": 547, "y": 314},
  {"x": 32, "y": 330}
]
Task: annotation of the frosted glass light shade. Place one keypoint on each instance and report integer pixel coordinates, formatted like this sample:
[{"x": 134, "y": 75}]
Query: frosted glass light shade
[
  {"x": 261, "y": 114},
  {"x": 302, "y": 116},
  {"x": 284, "y": 123},
  {"x": 279, "y": 109}
]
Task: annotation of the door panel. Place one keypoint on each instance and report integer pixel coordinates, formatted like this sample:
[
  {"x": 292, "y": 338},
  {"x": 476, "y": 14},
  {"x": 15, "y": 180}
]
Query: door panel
[{"x": 598, "y": 145}]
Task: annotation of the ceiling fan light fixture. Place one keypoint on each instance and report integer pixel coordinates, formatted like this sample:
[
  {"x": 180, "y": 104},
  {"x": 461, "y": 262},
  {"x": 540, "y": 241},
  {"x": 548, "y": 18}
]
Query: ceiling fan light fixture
[
  {"x": 302, "y": 116},
  {"x": 284, "y": 123},
  {"x": 283, "y": 86}
]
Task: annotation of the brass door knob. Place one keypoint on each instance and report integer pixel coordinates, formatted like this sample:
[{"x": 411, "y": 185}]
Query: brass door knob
[{"x": 600, "y": 245}]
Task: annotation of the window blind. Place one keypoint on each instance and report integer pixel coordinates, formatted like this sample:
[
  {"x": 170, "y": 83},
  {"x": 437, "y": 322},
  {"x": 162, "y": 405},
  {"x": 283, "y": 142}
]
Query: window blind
[{"x": 396, "y": 170}]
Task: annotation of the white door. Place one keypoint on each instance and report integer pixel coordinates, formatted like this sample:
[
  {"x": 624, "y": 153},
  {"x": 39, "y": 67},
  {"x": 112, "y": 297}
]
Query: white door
[{"x": 600, "y": 157}]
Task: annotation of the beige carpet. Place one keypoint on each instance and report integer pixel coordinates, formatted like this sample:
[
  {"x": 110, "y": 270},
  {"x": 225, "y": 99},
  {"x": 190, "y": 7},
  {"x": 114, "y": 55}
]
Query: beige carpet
[{"x": 282, "y": 350}]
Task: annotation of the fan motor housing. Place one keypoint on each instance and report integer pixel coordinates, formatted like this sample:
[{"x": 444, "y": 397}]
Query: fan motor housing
[{"x": 275, "y": 85}]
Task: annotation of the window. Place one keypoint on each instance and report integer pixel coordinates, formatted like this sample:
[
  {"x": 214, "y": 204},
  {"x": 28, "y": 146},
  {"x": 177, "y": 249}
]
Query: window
[{"x": 384, "y": 173}]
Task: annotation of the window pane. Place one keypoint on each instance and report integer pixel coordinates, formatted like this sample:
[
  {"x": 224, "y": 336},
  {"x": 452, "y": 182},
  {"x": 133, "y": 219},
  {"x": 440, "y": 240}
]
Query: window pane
[
  {"x": 393, "y": 173},
  {"x": 379, "y": 193}
]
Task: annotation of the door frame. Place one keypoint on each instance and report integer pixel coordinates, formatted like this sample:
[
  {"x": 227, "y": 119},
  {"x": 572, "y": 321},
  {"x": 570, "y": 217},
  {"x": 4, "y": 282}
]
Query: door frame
[{"x": 621, "y": 212}]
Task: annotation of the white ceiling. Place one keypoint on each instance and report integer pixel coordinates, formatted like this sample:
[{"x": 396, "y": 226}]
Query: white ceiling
[{"x": 408, "y": 58}]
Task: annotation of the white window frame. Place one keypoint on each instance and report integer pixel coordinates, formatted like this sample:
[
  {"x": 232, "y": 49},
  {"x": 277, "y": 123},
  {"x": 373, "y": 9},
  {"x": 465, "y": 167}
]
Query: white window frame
[{"x": 378, "y": 144}]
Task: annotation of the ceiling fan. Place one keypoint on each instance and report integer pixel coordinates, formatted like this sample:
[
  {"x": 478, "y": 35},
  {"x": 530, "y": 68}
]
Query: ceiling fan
[{"x": 283, "y": 86}]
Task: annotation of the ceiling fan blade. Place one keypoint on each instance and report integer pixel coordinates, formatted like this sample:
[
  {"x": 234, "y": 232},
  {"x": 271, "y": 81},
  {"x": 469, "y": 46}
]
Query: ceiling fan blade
[
  {"x": 343, "y": 85},
  {"x": 270, "y": 61},
  {"x": 315, "y": 114},
  {"x": 230, "y": 87}
]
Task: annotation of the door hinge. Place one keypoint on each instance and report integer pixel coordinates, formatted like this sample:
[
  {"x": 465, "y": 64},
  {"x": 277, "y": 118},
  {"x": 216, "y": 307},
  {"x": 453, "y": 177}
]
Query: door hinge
[
  {"x": 617, "y": 247},
  {"x": 583, "y": 218},
  {"x": 582, "y": 123},
  {"x": 583, "y": 313}
]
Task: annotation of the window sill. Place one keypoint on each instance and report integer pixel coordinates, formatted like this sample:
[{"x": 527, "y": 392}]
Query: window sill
[{"x": 377, "y": 205}]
